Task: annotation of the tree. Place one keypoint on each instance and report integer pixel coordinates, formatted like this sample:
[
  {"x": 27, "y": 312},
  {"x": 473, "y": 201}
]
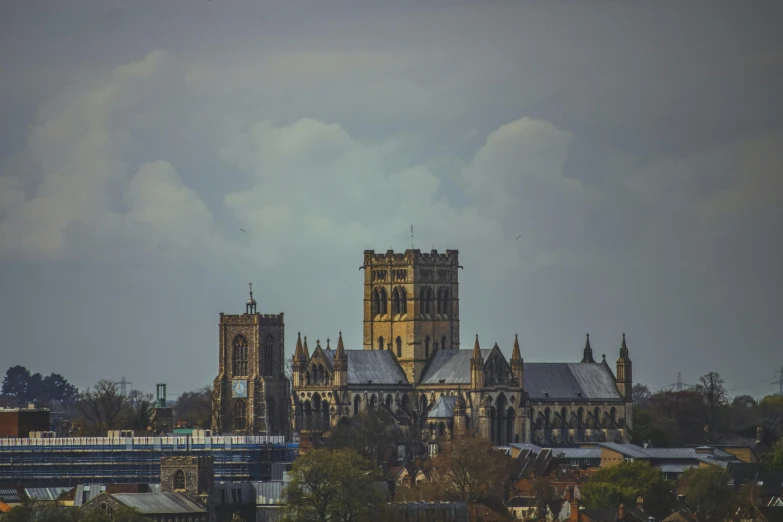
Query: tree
[
  {"x": 101, "y": 407},
  {"x": 625, "y": 483},
  {"x": 56, "y": 388},
  {"x": 139, "y": 408},
  {"x": 707, "y": 489},
  {"x": 773, "y": 461},
  {"x": 369, "y": 434},
  {"x": 647, "y": 428},
  {"x": 45, "y": 512},
  {"x": 333, "y": 486},
  {"x": 16, "y": 382},
  {"x": 713, "y": 390},
  {"x": 641, "y": 395},
  {"x": 195, "y": 408},
  {"x": 472, "y": 470}
]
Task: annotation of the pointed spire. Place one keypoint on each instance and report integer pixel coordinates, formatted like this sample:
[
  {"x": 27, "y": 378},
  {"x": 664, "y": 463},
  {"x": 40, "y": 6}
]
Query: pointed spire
[
  {"x": 476, "y": 350},
  {"x": 624, "y": 349},
  {"x": 588, "y": 352},
  {"x": 516, "y": 355},
  {"x": 305, "y": 349},
  {"x": 340, "y": 349},
  {"x": 299, "y": 352},
  {"x": 327, "y": 344},
  {"x": 317, "y": 344}
]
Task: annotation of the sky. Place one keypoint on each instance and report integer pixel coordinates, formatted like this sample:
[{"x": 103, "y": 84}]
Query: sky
[{"x": 601, "y": 166}]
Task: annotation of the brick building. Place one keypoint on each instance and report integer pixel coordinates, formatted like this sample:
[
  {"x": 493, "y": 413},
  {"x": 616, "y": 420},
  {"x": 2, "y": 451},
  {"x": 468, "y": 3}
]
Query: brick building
[{"x": 19, "y": 422}]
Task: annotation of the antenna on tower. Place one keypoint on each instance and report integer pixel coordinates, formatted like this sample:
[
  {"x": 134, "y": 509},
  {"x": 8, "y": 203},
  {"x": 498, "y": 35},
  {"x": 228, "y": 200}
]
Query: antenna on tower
[{"x": 411, "y": 237}]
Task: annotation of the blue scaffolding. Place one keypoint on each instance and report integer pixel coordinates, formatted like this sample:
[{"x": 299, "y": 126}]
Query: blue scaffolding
[{"x": 126, "y": 460}]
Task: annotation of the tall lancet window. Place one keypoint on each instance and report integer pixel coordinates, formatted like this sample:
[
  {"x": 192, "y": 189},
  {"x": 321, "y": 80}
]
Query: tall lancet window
[{"x": 239, "y": 348}]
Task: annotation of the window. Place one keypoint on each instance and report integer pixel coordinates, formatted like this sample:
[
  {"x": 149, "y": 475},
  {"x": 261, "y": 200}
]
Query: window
[
  {"x": 403, "y": 302},
  {"x": 376, "y": 302},
  {"x": 240, "y": 415},
  {"x": 399, "y": 347},
  {"x": 380, "y": 343},
  {"x": 443, "y": 301},
  {"x": 269, "y": 348},
  {"x": 383, "y": 299},
  {"x": 426, "y": 300},
  {"x": 179, "y": 480},
  {"x": 239, "y": 347},
  {"x": 443, "y": 343}
]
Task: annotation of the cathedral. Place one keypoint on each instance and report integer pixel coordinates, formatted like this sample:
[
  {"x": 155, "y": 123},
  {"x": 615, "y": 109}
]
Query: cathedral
[
  {"x": 411, "y": 366},
  {"x": 251, "y": 390}
]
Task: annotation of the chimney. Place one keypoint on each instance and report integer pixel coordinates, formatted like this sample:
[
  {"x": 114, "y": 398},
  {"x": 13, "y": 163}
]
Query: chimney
[
  {"x": 760, "y": 434},
  {"x": 621, "y": 511},
  {"x": 640, "y": 503}
]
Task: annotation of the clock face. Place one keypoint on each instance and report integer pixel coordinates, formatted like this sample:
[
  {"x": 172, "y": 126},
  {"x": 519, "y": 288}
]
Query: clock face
[{"x": 239, "y": 389}]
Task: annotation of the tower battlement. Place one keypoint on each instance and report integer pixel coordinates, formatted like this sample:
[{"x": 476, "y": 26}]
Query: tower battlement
[
  {"x": 260, "y": 319},
  {"x": 412, "y": 257}
]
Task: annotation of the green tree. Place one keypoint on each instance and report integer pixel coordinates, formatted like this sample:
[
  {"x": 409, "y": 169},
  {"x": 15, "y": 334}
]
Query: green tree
[
  {"x": 625, "y": 483},
  {"x": 647, "y": 428},
  {"x": 773, "y": 461},
  {"x": 16, "y": 383},
  {"x": 333, "y": 486},
  {"x": 707, "y": 489}
]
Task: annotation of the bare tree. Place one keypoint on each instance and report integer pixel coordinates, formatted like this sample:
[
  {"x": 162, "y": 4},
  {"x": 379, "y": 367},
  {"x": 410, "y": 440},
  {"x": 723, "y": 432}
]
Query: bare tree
[
  {"x": 101, "y": 406},
  {"x": 713, "y": 391},
  {"x": 139, "y": 410}
]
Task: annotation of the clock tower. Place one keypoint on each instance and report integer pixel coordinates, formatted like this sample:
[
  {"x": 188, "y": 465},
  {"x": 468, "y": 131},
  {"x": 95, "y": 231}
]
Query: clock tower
[{"x": 251, "y": 389}]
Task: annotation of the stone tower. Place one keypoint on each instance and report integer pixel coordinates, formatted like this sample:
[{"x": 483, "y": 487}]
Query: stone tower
[
  {"x": 191, "y": 476},
  {"x": 251, "y": 387},
  {"x": 411, "y": 305},
  {"x": 624, "y": 373}
]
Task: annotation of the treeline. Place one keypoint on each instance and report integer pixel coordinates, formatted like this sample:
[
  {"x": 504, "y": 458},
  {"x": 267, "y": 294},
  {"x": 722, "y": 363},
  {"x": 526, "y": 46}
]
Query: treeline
[
  {"x": 20, "y": 387},
  {"x": 101, "y": 407},
  {"x": 704, "y": 414}
]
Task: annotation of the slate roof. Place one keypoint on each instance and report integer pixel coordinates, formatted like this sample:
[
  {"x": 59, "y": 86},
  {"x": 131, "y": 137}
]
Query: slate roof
[
  {"x": 451, "y": 366},
  {"x": 378, "y": 366},
  {"x": 569, "y": 381},
  {"x": 159, "y": 503},
  {"x": 628, "y": 450},
  {"x": 444, "y": 408}
]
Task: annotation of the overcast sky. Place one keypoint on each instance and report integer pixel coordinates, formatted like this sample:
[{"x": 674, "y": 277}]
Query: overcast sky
[{"x": 634, "y": 147}]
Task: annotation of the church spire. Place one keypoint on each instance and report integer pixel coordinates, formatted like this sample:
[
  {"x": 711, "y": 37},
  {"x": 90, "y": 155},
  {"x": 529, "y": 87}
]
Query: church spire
[
  {"x": 517, "y": 366},
  {"x": 588, "y": 352},
  {"x": 250, "y": 307},
  {"x": 299, "y": 354},
  {"x": 340, "y": 348},
  {"x": 476, "y": 350},
  {"x": 305, "y": 349},
  {"x": 624, "y": 349},
  {"x": 625, "y": 373},
  {"x": 516, "y": 355}
]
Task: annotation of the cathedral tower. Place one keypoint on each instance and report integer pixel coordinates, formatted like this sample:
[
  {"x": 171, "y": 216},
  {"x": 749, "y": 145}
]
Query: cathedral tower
[
  {"x": 411, "y": 305},
  {"x": 251, "y": 386},
  {"x": 624, "y": 373}
]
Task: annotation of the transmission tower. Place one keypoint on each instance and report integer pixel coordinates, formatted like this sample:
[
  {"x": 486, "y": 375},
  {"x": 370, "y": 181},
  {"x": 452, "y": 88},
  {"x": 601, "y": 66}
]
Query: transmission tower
[
  {"x": 779, "y": 381},
  {"x": 123, "y": 383},
  {"x": 679, "y": 381}
]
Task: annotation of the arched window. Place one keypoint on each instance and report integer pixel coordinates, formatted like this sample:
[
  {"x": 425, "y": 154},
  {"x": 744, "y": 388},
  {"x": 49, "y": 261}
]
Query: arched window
[
  {"x": 357, "y": 401},
  {"x": 404, "y": 402},
  {"x": 443, "y": 343},
  {"x": 373, "y": 400},
  {"x": 239, "y": 348},
  {"x": 399, "y": 347},
  {"x": 395, "y": 302},
  {"x": 443, "y": 301},
  {"x": 383, "y": 299},
  {"x": 403, "y": 302},
  {"x": 376, "y": 302},
  {"x": 389, "y": 402},
  {"x": 179, "y": 480},
  {"x": 380, "y": 343},
  {"x": 240, "y": 415},
  {"x": 427, "y": 347},
  {"x": 269, "y": 350}
]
